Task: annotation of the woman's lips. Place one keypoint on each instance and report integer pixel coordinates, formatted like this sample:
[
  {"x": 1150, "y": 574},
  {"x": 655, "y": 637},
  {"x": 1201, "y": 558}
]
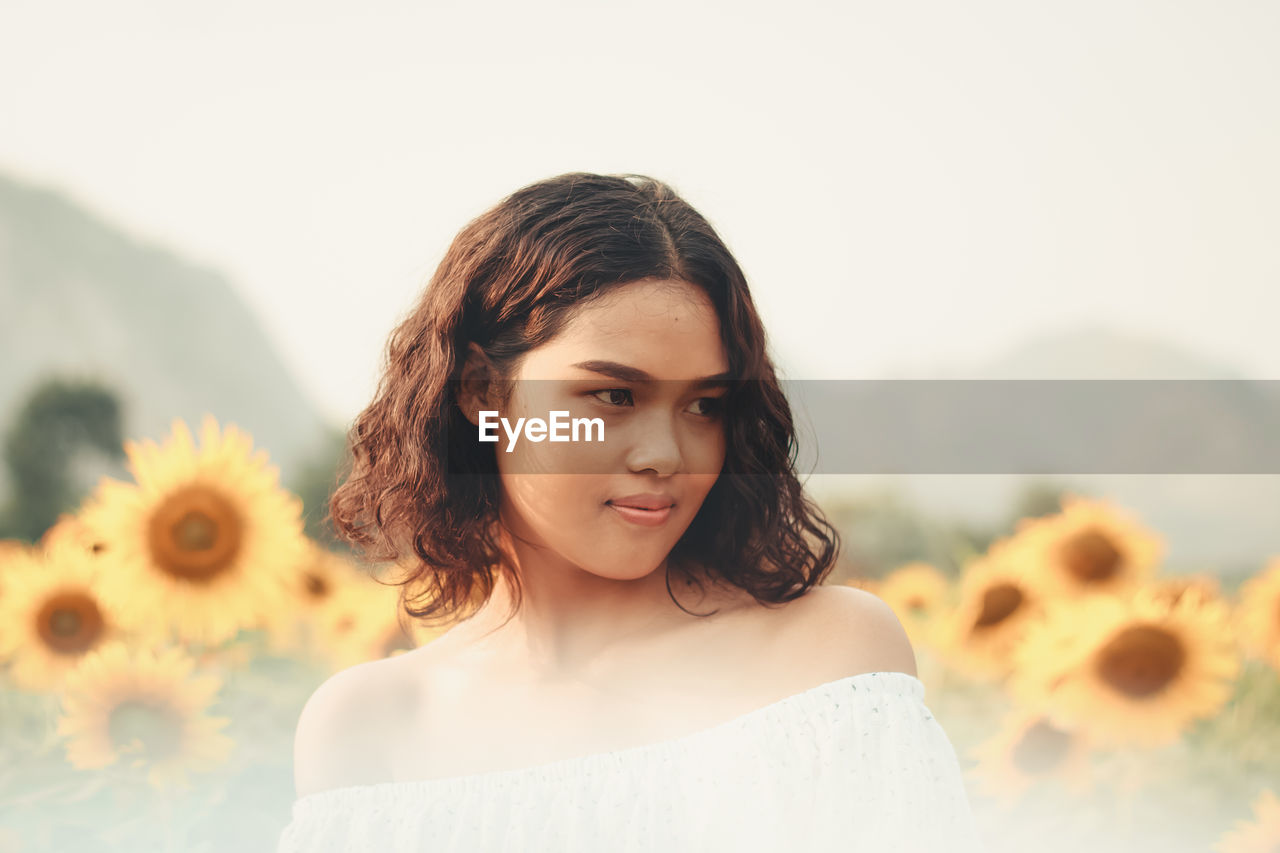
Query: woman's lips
[{"x": 643, "y": 517}]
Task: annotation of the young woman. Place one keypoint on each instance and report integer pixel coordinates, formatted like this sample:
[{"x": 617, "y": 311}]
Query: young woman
[{"x": 640, "y": 654}]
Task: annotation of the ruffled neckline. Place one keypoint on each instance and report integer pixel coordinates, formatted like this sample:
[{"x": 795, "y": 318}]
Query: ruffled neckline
[{"x": 612, "y": 758}]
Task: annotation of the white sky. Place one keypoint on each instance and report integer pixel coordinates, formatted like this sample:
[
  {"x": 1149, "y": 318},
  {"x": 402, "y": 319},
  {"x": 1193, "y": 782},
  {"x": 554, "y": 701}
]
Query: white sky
[{"x": 909, "y": 186}]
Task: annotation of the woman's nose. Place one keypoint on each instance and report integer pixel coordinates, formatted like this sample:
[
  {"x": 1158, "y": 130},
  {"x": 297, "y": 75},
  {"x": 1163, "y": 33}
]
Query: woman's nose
[{"x": 656, "y": 445}]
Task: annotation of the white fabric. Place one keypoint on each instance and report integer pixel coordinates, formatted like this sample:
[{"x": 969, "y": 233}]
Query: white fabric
[{"x": 857, "y": 764}]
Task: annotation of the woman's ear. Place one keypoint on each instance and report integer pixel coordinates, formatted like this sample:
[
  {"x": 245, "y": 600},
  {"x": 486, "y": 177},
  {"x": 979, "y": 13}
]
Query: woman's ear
[{"x": 475, "y": 384}]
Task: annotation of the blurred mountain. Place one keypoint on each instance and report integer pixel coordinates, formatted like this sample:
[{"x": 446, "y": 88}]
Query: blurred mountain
[
  {"x": 1227, "y": 523},
  {"x": 1099, "y": 352},
  {"x": 80, "y": 298}
]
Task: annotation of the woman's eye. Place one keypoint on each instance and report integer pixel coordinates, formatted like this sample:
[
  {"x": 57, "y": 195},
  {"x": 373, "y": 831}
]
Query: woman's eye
[
  {"x": 613, "y": 393},
  {"x": 617, "y": 397},
  {"x": 712, "y": 406}
]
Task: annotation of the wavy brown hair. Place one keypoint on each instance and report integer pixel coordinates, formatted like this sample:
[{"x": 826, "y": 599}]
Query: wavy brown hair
[{"x": 421, "y": 492}]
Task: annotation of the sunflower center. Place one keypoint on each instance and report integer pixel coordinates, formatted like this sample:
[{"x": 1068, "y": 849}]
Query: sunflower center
[
  {"x": 195, "y": 533},
  {"x": 315, "y": 585},
  {"x": 1141, "y": 660},
  {"x": 154, "y": 730},
  {"x": 999, "y": 601},
  {"x": 1041, "y": 748},
  {"x": 1090, "y": 556},
  {"x": 70, "y": 623}
]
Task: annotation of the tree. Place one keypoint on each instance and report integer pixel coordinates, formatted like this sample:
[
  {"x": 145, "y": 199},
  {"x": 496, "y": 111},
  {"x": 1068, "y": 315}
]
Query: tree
[
  {"x": 61, "y": 418},
  {"x": 316, "y": 482},
  {"x": 1038, "y": 498}
]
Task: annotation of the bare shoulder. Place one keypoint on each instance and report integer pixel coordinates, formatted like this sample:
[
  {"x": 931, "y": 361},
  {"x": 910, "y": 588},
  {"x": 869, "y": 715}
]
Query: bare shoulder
[
  {"x": 848, "y": 631},
  {"x": 340, "y": 728}
]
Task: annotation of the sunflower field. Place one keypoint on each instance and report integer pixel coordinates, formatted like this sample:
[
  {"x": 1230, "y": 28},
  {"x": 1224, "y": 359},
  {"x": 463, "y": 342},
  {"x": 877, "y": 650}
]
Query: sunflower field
[{"x": 157, "y": 646}]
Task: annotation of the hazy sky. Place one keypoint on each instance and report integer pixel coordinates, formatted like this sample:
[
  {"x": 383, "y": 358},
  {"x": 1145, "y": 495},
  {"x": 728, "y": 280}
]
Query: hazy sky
[{"x": 909, "y": 186}]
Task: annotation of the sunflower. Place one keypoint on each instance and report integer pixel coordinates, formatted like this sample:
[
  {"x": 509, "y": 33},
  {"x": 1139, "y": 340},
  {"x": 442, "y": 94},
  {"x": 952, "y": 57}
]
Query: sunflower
[
  {"x": 236, "y": 655},
  {"x": 1091, "y": 546},
  {"x": 366, "y": 622},
  {"x": 52, "y": 613},
  {"x": 1258, "y": 608},
  {"x": 1175, "y": 587},
  {"x": 71, "y": 528},
  {"x": 1261, "y": 835},
  {"x": 917, "y": 592},
  {"x": 11, "y": 547},
  {"x": 322, "y": 579},
  {"x": 1134, "y": 670},
  {"x": 143, "y": 708},
  {"x": 11, "y": 550},
  {"x": 206, "y": 542},
  {"x": 1029, "y": 749},
  {"x": 998, "y": 600}
]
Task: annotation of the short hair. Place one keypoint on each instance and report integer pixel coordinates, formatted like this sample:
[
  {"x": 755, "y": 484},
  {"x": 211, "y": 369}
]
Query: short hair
[{"x": 420, "y": 491}]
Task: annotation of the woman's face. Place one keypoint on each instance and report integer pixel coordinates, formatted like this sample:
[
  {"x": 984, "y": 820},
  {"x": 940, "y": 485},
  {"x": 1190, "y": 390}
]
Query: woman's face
[{"x": 663, "y": 437}]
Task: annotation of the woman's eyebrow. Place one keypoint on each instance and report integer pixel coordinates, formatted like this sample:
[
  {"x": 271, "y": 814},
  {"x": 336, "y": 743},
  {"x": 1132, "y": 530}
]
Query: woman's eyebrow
[{"x": 626, "y": 373}]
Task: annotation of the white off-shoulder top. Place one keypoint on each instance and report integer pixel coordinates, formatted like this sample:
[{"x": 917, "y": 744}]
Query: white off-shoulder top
[{"x": 856, "y": 764}]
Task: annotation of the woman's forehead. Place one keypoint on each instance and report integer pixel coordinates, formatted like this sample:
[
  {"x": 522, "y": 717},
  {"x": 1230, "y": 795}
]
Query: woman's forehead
[
  {"x": 679, "y": 352},
  {"x": 651, "y": 328},
  {"x": 643, "y": 315}
]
